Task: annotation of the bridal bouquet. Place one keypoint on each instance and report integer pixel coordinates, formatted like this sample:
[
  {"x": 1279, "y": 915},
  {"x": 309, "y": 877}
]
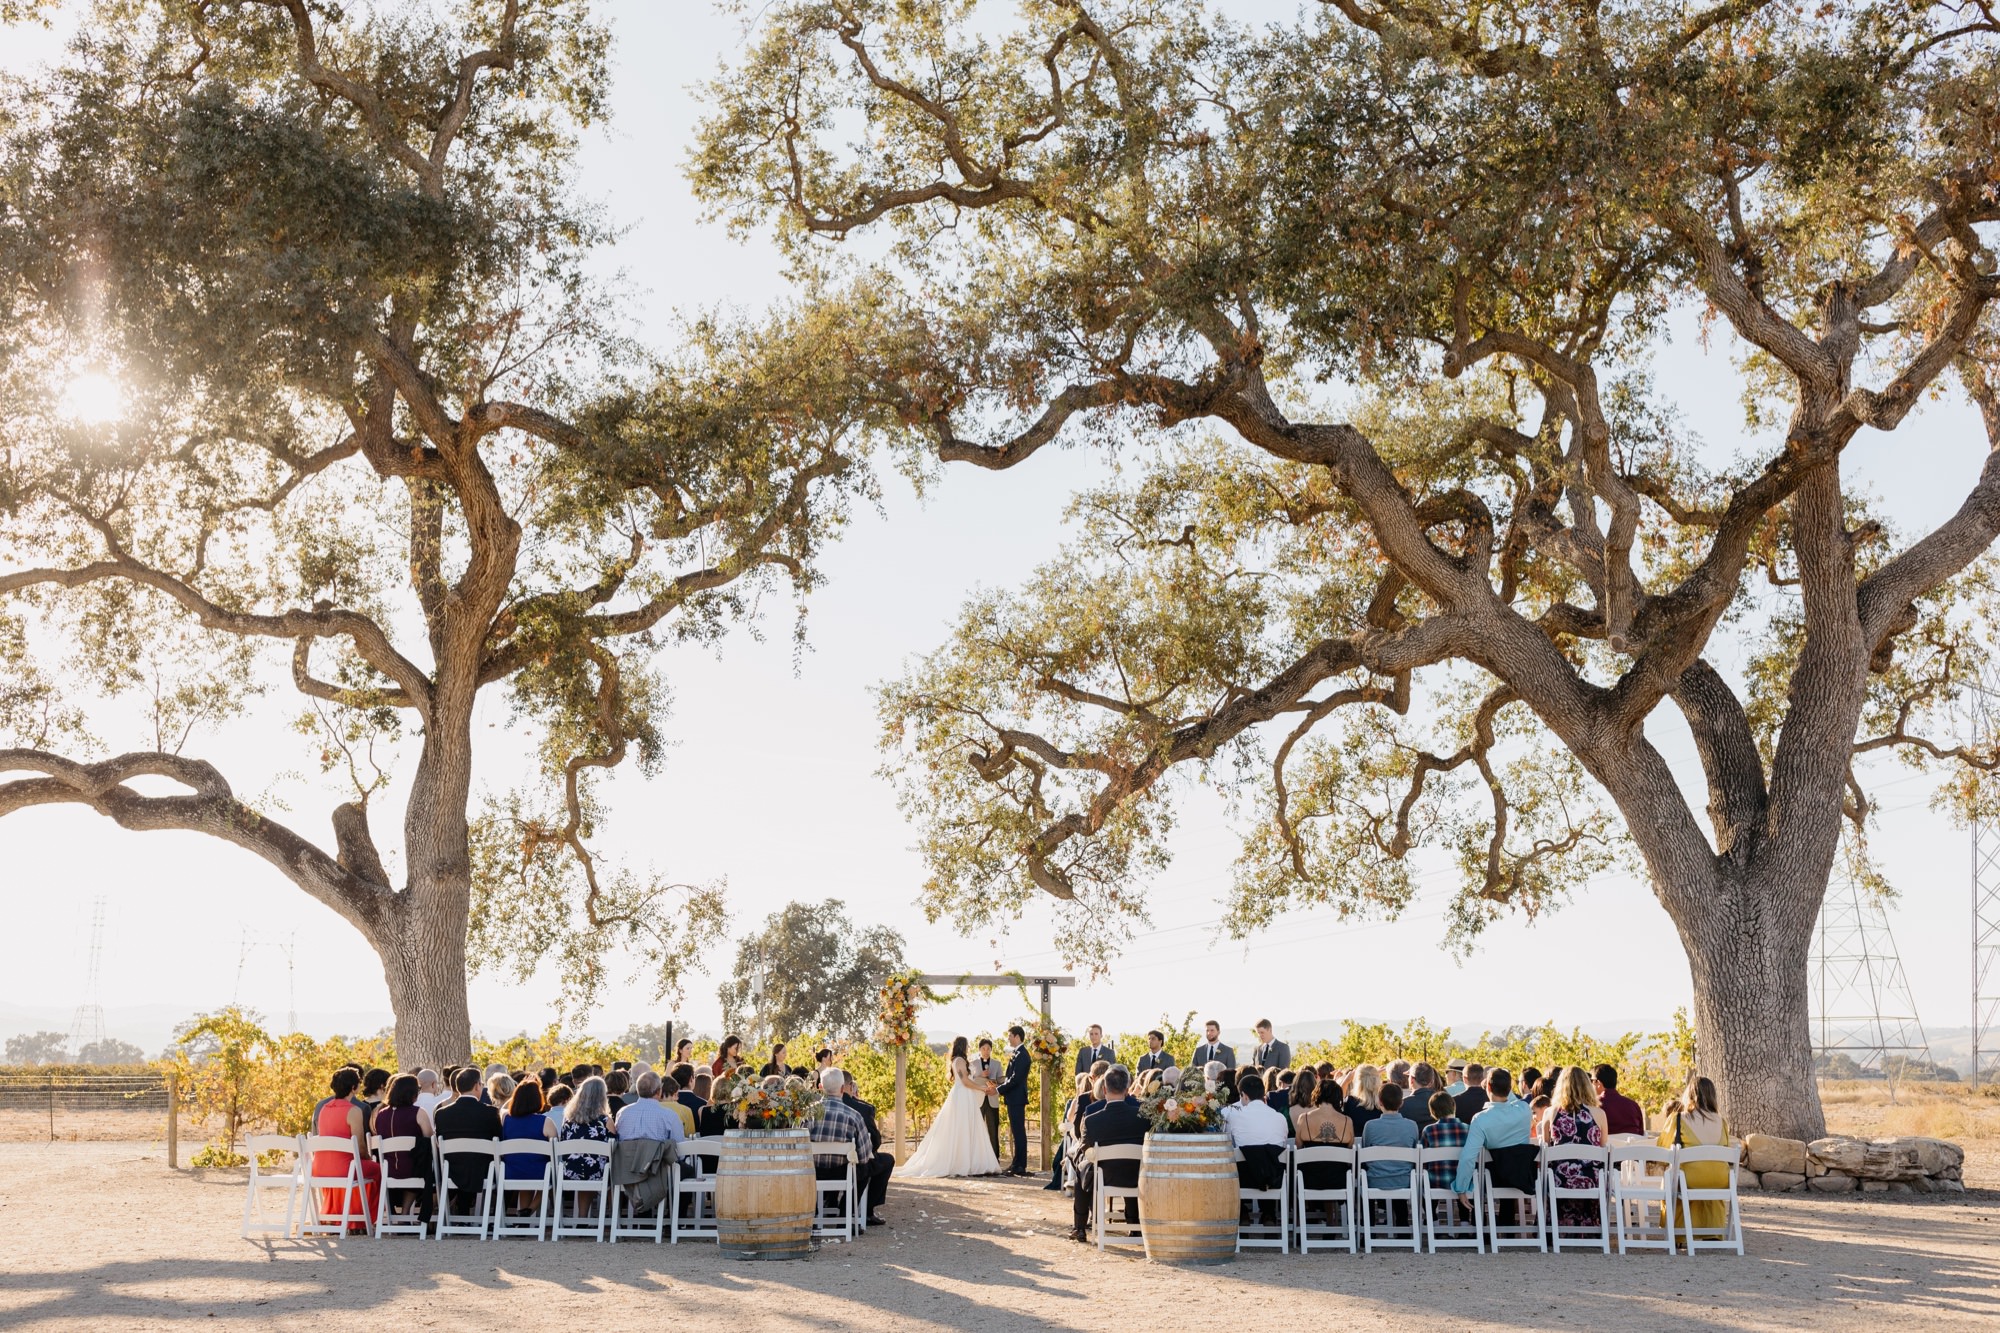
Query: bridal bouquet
[
  {"x": 1184, "y": 1110},
  {"x": 753, "y": 1106}
]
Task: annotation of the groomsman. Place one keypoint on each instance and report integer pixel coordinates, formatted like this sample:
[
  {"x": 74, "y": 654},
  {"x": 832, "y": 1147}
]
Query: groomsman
[
  {"x": 1096, "y": 1050},
  {"x": 1270, "y": 1054},
  {"x": 1157, "y": 1055},
  {"x": 1214, "y": 1048},
  {"x": 985, "y": 1066}
]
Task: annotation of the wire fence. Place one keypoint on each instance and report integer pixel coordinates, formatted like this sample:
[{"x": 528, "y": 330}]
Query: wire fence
[{"x": 56, "y": 1099}]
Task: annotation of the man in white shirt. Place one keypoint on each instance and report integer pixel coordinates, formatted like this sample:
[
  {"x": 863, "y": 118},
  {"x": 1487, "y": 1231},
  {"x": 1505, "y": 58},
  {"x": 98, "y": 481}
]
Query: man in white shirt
[
  {"x": 430, "y": 1095},
  {"x": 1259, "y": 1133}
]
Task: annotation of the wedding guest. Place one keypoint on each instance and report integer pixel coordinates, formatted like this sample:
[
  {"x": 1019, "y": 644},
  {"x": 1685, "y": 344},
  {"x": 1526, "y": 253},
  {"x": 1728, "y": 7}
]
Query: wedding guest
[
  {"x": 1094, "y": 1050},
  {"x": 728, "y": 1056},
  {"x": 1694, "y": 1120},
  {"x": 1399, "y": 1074},
  {"x": 549, "y": 1077},
  {"x": 493, "y": 1071},
  {"x": 1473, "y": 1100},
  {"x": 374, "y": 1087},
  {"x": 1170, "y": 1077},
  {"x": 1417, "y": 1103},
  {"x": 525, "y": 1119},
  {"x": 401, "y": 1117},
  {"x": 1455, "y": 1072},
  {"x": 1214, "y": 1048},
  {"x": 776, "y": 1064},
  {"x": 1364, "y": 1096},
  {"x": 430, "y": 1093},
  {"x": 616, "y": 1084},
  {"x": 558, "y": 1102},
  {"x": 1573, "y": 1118},
  {"x": 1389, "y": 1130},
  {"x": 1502, "y": 1124},
  {"x": 1318, "y": 1122},
  {"x": 1211, "y": 1073},
  {"x": 467, "y": 1116},
  {"x": 587, "y": 1118},
  {"x": 683, "y": 1076},
  {"x": 1270, "y": 1053},
  {"x": 1156, "y": 1055},
  {"x": 340, "y": 1116},
  {"x": 1445, "y": 1130},
  {"x": 499, "y": 1089},
  {"x": 1622, "y": 1115},
  {"x": 1115, "y": 1121},
  {"x": 883, "y": 1165},
  {"x": 649, "y": 1116},
  {"x": 1529, "y": 1085},
  {"x": 834, "y": 1121}
]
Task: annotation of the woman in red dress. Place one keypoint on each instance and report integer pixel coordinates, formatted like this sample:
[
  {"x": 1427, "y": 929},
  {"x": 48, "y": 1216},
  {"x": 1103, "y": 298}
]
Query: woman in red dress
[
  {"x": 728, "y": 1057},
  {"x": 341, "y": 1117}
]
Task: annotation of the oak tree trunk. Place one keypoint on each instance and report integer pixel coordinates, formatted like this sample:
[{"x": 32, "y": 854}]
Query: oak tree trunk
[{"x": 423, "y": 948}]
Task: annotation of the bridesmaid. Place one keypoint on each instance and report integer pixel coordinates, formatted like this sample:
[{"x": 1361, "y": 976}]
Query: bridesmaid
[{"x": 728, "y": 1057}]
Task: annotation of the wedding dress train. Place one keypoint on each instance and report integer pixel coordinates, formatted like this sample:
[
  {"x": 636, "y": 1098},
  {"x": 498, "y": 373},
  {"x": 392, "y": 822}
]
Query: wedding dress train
[{"x": 956, "y": 1143}]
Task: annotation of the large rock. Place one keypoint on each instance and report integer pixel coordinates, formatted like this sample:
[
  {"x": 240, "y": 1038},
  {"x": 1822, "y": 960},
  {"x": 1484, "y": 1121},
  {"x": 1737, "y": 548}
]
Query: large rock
[
  {"x": 1886, "y": 1159},
  {"x": 1765, "y": 1152},
  {"x": 1782, "y": 1180},
  {"x": 1832, "y": 1184}
]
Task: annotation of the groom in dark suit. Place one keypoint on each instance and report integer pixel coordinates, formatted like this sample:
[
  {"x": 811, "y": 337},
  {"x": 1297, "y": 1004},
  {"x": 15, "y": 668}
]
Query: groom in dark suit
[{"x": 1013, "y": 1092}]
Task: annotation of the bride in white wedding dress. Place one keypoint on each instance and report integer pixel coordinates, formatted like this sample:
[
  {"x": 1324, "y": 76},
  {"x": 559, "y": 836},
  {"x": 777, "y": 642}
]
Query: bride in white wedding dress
[{"x": 956, "y": 1143}]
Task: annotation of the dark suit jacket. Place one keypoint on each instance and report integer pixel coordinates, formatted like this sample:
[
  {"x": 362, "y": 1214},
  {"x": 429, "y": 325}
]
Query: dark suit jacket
[
  {"x": 1164, "y": 1060},
  {"x": 466, "y": 1118},
  {"x": 1470, "y": 1103},
  {"x": 1221, "y": 1050},
  {"x": 867, "y": 1113},
  {"x": 689, "y": 1100},
  {"x": 1114, "y": 1123},
  {"x": 1278, "y": 1055},
  {"x": 1014, "y": 1086},
  {"x": 1086, "y": 1056},
  {"x": 1278, "y": 1099}
]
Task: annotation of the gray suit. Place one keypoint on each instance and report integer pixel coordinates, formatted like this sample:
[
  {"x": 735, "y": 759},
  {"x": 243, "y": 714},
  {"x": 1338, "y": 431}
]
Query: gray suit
[
  {"x": 1220, "y": 1050},
  {"x": 1272, "y": 1055},
  {"x": 1163, "y": 1060},
  {"x": 989, "y": 1105}
]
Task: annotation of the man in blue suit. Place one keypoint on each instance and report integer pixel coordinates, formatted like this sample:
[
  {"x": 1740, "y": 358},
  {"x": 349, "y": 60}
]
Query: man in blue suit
[{"x": 1013, "y": 1092}]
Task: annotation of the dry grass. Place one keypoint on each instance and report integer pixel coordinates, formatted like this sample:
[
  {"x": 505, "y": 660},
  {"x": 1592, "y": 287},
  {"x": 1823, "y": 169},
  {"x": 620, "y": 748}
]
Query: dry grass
[{"x": 1935, "y": 1110}]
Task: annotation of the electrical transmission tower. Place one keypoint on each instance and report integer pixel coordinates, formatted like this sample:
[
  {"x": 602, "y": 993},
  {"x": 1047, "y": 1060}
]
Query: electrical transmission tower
[
  {"x": 86, "y": 1026},
  {"x": 1985, "y": 946},
  {"x": 1861, "y": 1002}
]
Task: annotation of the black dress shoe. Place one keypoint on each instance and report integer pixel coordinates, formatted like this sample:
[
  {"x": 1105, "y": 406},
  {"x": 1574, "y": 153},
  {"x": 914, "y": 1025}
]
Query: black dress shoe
[
  {"x": 1081, "y": 1237},
  {"x": 877, "y": 1220},
  {"x": 1053, "y": 1185}
]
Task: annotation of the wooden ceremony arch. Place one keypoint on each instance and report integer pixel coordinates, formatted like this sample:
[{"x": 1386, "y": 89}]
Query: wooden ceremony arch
[{"x": 932, "y": 979}]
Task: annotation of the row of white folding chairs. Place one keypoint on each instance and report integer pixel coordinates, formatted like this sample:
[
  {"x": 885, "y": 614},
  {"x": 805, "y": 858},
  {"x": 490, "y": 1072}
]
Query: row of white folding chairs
[
  {"x": 838, "y": 1213},
  {"x": 1628, "y": 1195}
]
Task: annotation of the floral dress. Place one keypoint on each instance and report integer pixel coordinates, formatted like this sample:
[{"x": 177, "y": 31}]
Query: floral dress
[
  {"x": 1578, "y": 1126},
  {"x": 584, "y": 1166}
]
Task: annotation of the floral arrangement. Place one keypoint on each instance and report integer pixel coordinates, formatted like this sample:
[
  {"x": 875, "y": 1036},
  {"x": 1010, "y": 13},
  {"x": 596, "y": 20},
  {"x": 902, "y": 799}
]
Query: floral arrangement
[
  {"x": 1046, "y": 1042},
  {"x": 753, "y": 1106},
  {"x": 896, "y": 1023},
  {"x": 1190, "y": 1109}
]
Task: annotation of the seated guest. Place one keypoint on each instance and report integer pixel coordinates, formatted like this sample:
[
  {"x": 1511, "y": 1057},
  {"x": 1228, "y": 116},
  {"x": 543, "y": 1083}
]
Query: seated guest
[
  {"x": 670, "y": 1093},
  {"x": 549, "y": 1077},
  {"x": 1417, "y": 1102},
  {"x": 467, "y": 1116},
  {"x": 1170, "y": 1077},
  {"x": 1364, "y": 1101},
  {"x": 1622, "y": 1115},
  {"x": 883, "y": 1164},
  {"x": 1260, "y": 1135},
  {"x": 1398, "y": 1073},
  {"x": 496, "y": 1070},
  {"x": 374, "y": 1087},
  {"x": 616, "y": 1084},
  {"x": 587, "y": 1118},
  {"x": 1573, "y": 1118},
  {"x": 1445, "y": 1130},
  {"x": 1455, "y": 1073},
  {"x": 341, "y": 1116},
  {"x": 1279, "y": 1095},
  {"x": 1473, "y": 1100},
  {"x": 1529, "y": 1085},
  {"x": 499, "y": 1089},
  {"x": 1212, "y": 1072},
  {"x": 1114, "y": 1121},
  {"x": 1694, "y": 1120},
  {"x": 430, "y": 1092},
  {"x": 525, "y": 1119},
  {"x": 558, "y": 1101},
  {"x": 1503, "y": 1123},
  {"x": 646, "y": 1116},
  {"x": 401, "y": 1117},
  {"x": 683, "y": 1077},
  {"x": 834, "y": 1121},
  {"x": 1318, "y": 1122},
  {"x": 1389, "y": 1130}
]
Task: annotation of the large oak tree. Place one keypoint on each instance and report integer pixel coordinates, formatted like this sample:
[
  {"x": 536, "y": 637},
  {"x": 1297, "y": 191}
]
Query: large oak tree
[
  {"x": 377, "y": 419},
  {"x": 1417, "y": 554}
]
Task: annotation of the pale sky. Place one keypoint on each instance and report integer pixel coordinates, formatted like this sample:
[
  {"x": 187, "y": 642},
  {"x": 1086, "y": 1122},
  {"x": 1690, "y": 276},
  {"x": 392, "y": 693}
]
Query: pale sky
[{"x": 772, "y": 782}]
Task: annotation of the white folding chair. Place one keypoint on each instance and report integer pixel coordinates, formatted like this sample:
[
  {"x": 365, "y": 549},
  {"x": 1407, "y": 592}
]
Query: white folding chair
[
  {"x": 1338, "y": 1231},
  {"x": 1730, "y": 1236},
  {"x": 573, "y": 1192},
  {"x": 387, "y": 1221},
  {"x": 1523, "y": 1235},
  {"x": 1453, "y": 1233},
  {"x": 460, "y": 1224},
  {"x": 353, "y": 1196},
  {"x": 636, "y": 1226},
  {"x": 1102, "y": 1194},
  {"x": 1258, "y": 1235},
  {"x": 1596, "y": 1237},
  {"x": 267, "y": 1180},
  {"x": 542, "y": 1184},
  {"x": 1636, "y": 1191},
  {"x": 833, "y": 1200},
  {"x": 1391, "y": 1236},
  {"x": 694, "y": 1193}
]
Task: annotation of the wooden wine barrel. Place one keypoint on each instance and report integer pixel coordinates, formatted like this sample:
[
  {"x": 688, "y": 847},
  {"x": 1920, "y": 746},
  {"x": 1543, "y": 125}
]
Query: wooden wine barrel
[
  {"x": 764, "y": 1194},
  {"x": 1187, "y": 1198}
]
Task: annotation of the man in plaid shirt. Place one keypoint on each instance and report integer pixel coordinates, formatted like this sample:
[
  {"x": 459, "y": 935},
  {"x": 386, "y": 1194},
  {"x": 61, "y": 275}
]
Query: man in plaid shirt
[
  {"x": 837, "y": 1122},
  {"x": 1447, "y": 1131}
]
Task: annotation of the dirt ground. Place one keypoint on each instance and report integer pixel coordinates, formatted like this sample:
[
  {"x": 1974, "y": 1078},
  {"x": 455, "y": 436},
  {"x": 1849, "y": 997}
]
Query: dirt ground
[{"x": 102, "y": 1235}]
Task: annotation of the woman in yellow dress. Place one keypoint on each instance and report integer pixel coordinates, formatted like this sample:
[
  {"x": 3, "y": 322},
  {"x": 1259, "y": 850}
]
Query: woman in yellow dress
[{"x": 1697, "y": 1123}]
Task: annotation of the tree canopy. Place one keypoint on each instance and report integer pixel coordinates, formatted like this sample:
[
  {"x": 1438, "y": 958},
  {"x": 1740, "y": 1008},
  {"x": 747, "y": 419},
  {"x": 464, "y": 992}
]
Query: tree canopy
[
  {"x": 819, "y": 973},
  {"x": 1416, "y": 551}
]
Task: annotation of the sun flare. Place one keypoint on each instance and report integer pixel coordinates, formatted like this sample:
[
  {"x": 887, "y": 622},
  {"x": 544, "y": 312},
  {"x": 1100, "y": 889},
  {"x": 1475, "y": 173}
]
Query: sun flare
[{"x": 92, "y": 398}]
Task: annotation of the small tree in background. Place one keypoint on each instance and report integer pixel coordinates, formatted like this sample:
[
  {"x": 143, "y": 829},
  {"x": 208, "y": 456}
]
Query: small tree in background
[
  {"x": 110, "y": 1051},
  {"x": 38, "y": 1048},
  {"x": 820, "y": 973}
]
